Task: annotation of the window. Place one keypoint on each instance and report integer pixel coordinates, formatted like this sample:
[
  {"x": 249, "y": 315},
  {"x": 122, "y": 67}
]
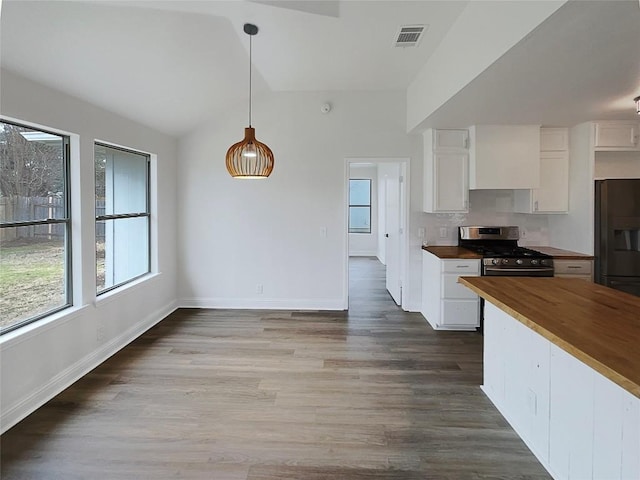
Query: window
[
  {"x": 359, "y": 206},
  {"x": 122, "y": 216},
  {"x": 35, "y": 240}
]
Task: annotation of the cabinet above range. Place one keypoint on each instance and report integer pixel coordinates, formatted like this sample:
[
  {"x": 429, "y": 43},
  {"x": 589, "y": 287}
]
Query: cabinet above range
[
  {"x": 504, "y": 157},
  {"x": 532, "y": 161}
]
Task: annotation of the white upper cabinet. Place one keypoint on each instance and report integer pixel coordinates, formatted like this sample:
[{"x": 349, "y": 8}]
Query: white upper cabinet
[
  {"x": 553, "y": 194},
  {"x": 450, "y": 139},
  {"x": 554, "y": 139},
  {"x": 446, "y": 173},
  {"x": 616, "y": 136},
  {"x": 504, "y": 157}
]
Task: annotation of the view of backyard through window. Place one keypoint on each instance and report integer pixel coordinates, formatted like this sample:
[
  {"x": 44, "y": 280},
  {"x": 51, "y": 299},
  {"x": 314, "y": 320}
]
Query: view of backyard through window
[
  {"x": 122, "y": 216},
  {"x": 33, "y": 224}
]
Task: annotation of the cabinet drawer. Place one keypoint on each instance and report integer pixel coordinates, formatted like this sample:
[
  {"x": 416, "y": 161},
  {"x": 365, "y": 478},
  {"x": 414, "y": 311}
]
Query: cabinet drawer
[
  {"x": 452, "y": 289},
  {"x": 572, "y": 267},
  {"x": 461, "y": 266}
]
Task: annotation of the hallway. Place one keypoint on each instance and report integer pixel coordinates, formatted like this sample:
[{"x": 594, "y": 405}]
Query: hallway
[{"x": 374, "y": 393}]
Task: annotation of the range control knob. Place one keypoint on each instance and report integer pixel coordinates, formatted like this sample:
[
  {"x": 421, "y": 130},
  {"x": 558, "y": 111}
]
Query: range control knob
[
  {"x": 534, "y": 262},
  {"x": 495, "y": 261},
  {"x": 519, "y": 261},
  {"x": 505, "y": 261}
]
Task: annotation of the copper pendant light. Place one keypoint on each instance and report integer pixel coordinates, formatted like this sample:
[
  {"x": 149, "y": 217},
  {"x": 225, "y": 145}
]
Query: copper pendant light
[{"x": 250, "y": 158}]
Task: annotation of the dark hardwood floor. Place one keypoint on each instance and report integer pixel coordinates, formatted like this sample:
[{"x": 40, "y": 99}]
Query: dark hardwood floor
[{"x": 374, "y": 393}]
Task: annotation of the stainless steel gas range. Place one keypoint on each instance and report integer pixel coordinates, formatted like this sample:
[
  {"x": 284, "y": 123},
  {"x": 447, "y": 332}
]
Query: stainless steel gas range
[{"x": 501, "y": 255}]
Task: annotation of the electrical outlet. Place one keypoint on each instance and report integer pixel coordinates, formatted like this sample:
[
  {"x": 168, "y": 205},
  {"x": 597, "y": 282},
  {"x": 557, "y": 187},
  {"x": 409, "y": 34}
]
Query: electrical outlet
[
  {"x": 421, "y": 232},
  {"x": 100, "y": 333},
  {"x": 259, "y": 288},
  {"x": 443, "y": 232}
]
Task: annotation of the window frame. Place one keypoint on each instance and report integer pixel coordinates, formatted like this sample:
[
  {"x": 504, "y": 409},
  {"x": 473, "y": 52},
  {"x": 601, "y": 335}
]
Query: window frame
[
  {"x": 66, "y": 221},
  {"x": 120, "y": 216},
  {"x": 360, "y": 205}
]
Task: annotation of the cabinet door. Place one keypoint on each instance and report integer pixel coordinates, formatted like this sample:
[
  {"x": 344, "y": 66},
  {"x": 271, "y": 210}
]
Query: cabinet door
[
  {"x": 554, "y": 139},
  {"x": 621, "y": 136},
  {"x": 460, "y": 313},
  {"x": 446, "y": 139},
  {"x": 450, "y": 185},
  {"x": 504, "y": 157},
  {"x": 553, "y": 194}
]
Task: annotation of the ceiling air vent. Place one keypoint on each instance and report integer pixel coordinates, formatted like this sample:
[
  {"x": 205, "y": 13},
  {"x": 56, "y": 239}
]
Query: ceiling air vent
[{"x": 409, "y": 35}]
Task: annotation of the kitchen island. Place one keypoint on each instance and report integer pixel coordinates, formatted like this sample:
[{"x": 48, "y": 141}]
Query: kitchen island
[{"x": 562, "y": 364}]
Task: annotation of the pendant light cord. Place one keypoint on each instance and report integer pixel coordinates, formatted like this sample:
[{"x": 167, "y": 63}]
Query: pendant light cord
[{"x": 250, "y": 79}]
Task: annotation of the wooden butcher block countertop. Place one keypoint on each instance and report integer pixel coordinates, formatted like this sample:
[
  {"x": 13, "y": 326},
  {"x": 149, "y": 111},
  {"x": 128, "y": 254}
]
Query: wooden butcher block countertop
[
  {"x": 452, "y": 252},
  {"x": 597, "y": 325},
  {"x": 560, "y": 254}
]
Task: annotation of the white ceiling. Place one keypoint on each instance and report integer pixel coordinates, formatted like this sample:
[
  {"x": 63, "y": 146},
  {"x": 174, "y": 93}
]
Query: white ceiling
[
  {"x": 173, "y": 64},
  {"x": 170, "y": 64}
]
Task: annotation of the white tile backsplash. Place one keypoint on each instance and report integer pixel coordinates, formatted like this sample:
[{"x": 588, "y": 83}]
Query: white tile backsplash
[{"x": 487, "y": 207}]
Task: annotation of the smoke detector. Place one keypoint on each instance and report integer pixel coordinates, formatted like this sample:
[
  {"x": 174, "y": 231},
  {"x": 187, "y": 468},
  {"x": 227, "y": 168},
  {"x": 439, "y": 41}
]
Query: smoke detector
[{"x": 410, "y": 35}]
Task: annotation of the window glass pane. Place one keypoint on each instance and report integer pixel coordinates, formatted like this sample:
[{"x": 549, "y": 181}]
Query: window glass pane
[
  {"x": 32, "y": 272},
  {"x": 121, "y": 181},
  {"x": 359, "y": 192},
  {"x": 122, "y": 250},
  {"x": 32, "y": 174},
  {"x": 359, "y": 220}
]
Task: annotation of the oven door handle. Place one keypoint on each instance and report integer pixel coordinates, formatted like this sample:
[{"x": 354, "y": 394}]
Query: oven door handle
[{"x": 523, "y": 270}]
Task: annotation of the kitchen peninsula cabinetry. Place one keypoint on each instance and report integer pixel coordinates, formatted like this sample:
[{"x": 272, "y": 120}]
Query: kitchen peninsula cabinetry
[
  {"x": 564, "y": 372},
  {"x": 504, "y": 157},
  {"x": 553, "y": 194},
  {"x": 446, "y": 160},
  {"x": 446, "y": 304},
  {"x": 616, "y": 136}
]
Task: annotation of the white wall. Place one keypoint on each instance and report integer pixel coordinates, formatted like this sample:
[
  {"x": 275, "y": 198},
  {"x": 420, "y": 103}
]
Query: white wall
[
  {"x": 617, "y": 165},
  {"x": 237, "y": 235},
  {"x": 40, "y": 360},
  {"x": 366, "y": 244}
]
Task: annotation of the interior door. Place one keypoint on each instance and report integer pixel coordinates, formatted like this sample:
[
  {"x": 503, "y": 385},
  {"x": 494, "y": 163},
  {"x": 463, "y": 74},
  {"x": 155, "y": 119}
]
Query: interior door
[{"x": 392, "y": 233}]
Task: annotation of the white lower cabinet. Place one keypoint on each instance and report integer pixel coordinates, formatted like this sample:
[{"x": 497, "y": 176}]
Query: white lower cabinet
[
  {"x": 578, "y": 423},
  {"x": 446, "y": 304}
]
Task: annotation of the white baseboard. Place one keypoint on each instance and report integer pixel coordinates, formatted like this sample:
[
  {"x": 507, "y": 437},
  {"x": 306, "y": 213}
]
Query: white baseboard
[
  {"x": 363, "y": 253},
  {"x": 264, "y": 304},
  {"x": 412, "y": 307},
  {"x": 21, "y": 409}
]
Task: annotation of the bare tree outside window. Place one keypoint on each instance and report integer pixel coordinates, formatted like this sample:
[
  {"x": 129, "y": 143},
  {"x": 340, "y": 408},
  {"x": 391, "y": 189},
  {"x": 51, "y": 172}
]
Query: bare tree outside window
[{"x": 34, "y": 224}]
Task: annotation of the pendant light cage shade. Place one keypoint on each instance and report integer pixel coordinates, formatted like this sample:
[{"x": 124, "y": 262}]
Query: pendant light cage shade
[{"x": 249, "y": 158}]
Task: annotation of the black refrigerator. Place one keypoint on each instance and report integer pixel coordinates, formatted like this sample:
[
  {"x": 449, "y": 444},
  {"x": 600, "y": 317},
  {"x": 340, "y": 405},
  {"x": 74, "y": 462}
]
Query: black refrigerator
[{"x": 617, "y": 234}]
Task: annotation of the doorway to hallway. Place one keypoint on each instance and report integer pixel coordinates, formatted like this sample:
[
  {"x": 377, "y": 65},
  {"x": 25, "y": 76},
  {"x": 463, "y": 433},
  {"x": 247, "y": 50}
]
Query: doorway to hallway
[{"x": 376, "y": 225}]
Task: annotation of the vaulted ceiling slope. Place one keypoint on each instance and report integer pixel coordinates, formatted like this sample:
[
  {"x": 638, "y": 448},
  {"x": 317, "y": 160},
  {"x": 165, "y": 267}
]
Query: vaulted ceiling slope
[
  {"x": 173, "y": 64},
  {"x": 581, "y": 64}
]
